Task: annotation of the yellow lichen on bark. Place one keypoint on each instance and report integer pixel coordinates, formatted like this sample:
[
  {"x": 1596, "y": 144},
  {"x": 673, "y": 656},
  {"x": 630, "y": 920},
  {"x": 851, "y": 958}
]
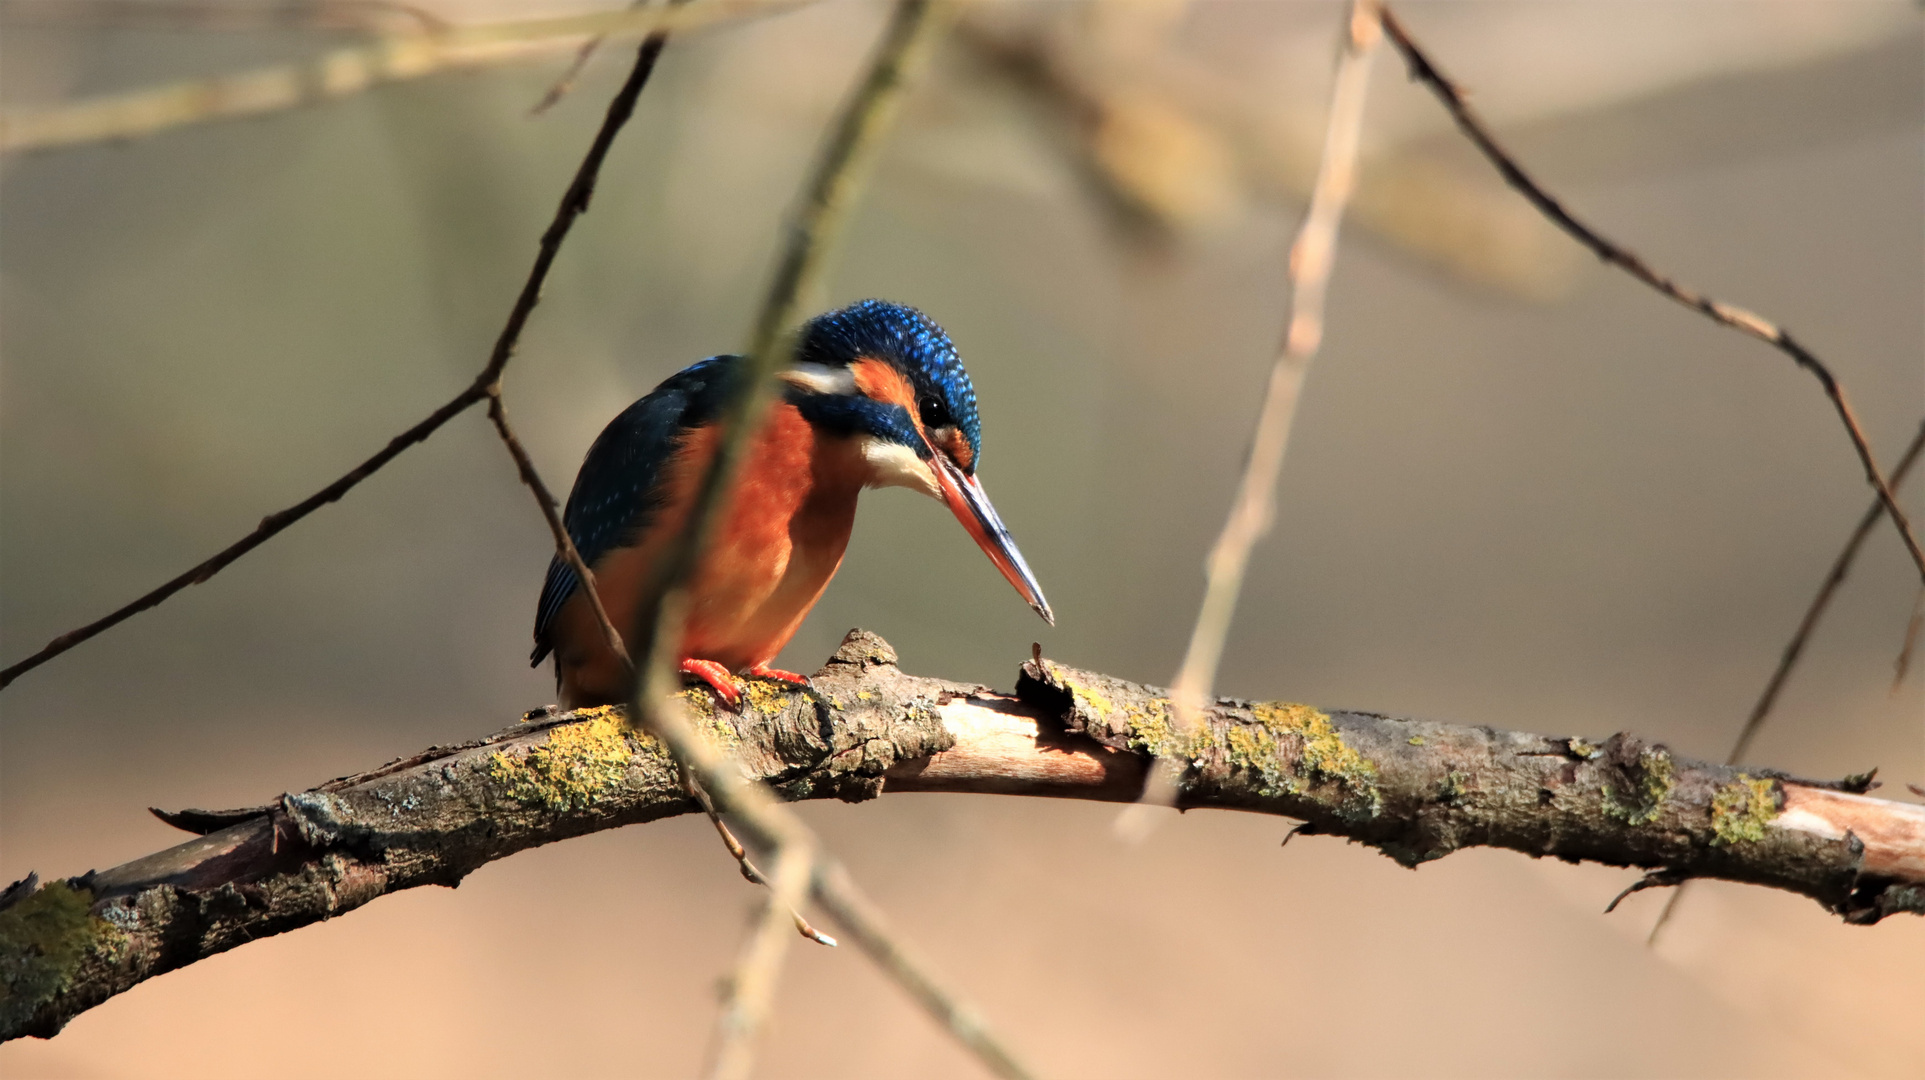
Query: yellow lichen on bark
[
  {"x": 580, "y": 762},
  {"x": 1741, "y": 809},
  {"x": 1325, "y": 754},
  {"x": 43, "y": 940}
]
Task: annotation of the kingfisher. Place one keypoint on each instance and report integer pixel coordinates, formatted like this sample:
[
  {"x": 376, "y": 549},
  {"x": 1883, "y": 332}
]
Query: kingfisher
[{"x": 876, "y": 396}]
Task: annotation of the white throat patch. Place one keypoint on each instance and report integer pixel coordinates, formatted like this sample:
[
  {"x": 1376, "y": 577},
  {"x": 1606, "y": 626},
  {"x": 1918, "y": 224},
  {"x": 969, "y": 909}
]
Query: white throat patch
[{"x": 895, "y": 465}]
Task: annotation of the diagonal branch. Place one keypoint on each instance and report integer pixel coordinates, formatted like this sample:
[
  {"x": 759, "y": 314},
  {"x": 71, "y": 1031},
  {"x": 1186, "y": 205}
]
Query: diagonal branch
[
  {"x": 1312, "y": 256},
  {"x": 751, "y": 988},
  {"x": 1835, "y": 577},
  {"x": 574, "y": 203},
  {"x": 347, "y": 71},
  {"x": 1840, "y": 567},
  {"x": 551, "y": 513},
  {"x": 1414, "y": 789},
  {"x": 1423, "y": 70},
  {"x": 1311, "y": 259}
]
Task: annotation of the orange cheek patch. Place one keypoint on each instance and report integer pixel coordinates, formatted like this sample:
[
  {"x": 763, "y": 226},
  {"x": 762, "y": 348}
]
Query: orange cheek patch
[
  {"x": 950, "y": 441},
  {"x": 881, "y": 382}
]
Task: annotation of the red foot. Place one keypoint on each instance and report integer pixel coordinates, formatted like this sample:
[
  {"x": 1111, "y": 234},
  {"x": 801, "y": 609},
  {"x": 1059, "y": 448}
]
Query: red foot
[
  {"x": 763, "y": 671},
  {"x": 717, "y": 677}
]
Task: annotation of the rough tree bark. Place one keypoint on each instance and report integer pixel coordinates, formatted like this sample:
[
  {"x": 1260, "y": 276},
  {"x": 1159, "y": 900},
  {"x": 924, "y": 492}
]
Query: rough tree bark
[{"x": 1416, "y": 790}]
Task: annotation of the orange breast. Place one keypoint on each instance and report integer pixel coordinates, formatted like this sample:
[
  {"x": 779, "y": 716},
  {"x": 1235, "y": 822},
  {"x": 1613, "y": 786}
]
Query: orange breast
[{"x": 779, "y": 542}]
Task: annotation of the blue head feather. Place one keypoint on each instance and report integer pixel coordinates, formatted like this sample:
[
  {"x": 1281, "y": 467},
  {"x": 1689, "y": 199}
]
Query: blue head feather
[{"x": 913, "y": 344}]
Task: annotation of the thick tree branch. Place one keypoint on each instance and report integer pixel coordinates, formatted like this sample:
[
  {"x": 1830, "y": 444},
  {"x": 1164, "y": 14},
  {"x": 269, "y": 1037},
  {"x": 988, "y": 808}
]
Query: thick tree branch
[{"x": 1416, "y": 790}]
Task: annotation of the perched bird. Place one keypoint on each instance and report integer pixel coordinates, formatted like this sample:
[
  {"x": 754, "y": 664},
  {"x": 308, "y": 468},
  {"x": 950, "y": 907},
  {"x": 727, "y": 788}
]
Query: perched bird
[{"x": 876, "y": 397}]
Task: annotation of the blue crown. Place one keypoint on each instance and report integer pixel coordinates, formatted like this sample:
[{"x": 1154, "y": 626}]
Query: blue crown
[{"x": 907, "y": 340}]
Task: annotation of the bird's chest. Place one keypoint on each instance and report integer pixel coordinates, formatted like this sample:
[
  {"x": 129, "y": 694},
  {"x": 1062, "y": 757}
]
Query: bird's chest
[
  {"x": 787, "y": 502},
  {"x": 783, "y": 535}
]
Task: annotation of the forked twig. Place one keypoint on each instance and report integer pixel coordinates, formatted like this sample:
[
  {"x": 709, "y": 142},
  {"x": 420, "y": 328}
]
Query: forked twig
[
  {"x": 1423, "y": 70},
  {"x": 1654, "y": 879},
  {"x": 566, "y": 82},
  {"x": 1828, "y": 588},
  {"x": 574, "y": 202},
  {"x": 1311, "y": 258},
  {"x": 814, "y": 227}
]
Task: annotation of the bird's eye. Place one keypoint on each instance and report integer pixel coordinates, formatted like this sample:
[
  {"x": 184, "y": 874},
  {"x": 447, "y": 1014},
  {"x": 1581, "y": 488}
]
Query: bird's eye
[{"x": 934, "y": 413}]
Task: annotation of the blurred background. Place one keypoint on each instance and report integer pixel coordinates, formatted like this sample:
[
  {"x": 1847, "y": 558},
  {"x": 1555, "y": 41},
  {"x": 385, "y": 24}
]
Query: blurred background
[{"x": 1523, "y": 491}]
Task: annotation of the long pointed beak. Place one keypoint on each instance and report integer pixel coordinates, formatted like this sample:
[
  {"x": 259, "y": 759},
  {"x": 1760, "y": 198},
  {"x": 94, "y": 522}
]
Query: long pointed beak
[{"x": 966, "y": 500}]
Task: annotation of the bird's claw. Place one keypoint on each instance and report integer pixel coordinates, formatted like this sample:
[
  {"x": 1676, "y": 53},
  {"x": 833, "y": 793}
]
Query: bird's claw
[
  {"x": 723, "y": 682},
  {"x": 718, "y": 679},
  {"x": 763, "y": 671}
]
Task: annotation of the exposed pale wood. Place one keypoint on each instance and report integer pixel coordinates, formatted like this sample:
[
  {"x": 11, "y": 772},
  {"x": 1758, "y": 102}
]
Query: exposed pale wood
[{"x": 1416, "y": 790}]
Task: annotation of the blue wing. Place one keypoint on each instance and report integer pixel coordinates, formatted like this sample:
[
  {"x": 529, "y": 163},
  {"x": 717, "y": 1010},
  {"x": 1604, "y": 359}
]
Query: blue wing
[{"x": 618, "y": 490}]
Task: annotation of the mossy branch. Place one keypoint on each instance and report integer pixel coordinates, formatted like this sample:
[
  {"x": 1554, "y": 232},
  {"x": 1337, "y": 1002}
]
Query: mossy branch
[{"x": 1416, "y": 790}]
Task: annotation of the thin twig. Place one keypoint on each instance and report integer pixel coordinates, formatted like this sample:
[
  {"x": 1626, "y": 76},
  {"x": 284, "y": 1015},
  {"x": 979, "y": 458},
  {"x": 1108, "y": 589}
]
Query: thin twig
[
  {"x": 1423, "y": 70},
  {"x": 1835, "y": 577},
  {"x": 751, "y": 988},
  {"x": 1903, "y": 665},
  {"x": 269, "y": 526},
  {"x": 1827, "y": 588},
  {"x": 747, "y": 865},
  {"x": 217, "y": 14},
  {"x": 1653, "y": 879},
  {"x": 551, "y": 513},
  {"x": 842, "y": 899},
  {"x": 347, "y": 71},
  {"x": 574, "y": 202},
  {"x": 814, "y": 227},
  {"x": 1311, "y": 258},
  {"x": 773, "y": 826},
  {"x": 561, "y": 87}
]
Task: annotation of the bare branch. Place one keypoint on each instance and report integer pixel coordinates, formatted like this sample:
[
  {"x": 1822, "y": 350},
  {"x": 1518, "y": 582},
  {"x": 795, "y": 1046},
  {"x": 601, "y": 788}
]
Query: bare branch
[
  {"x": 1415, "y": 790},
  {"x": 747, "y": 865},
  {"x": 1840, "y": 567},
  {"x": 561, "y": 87},
  {"x": 565, "y": 83},
  {"x": 551, "y": 513},
  {"x": 574, "y": 203},
  {"x": 1423, "y": 70},
  {"x": 845, "y": 901},
  {"x": 1828, "y": 588},
  {"x": 365, "y": 15},
  {"x": 1903, "y": 665},
  {"x": 751, "y": 989},
  {"x": 348, "y": 71},
  {"x": 1311, "y": 258}
]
